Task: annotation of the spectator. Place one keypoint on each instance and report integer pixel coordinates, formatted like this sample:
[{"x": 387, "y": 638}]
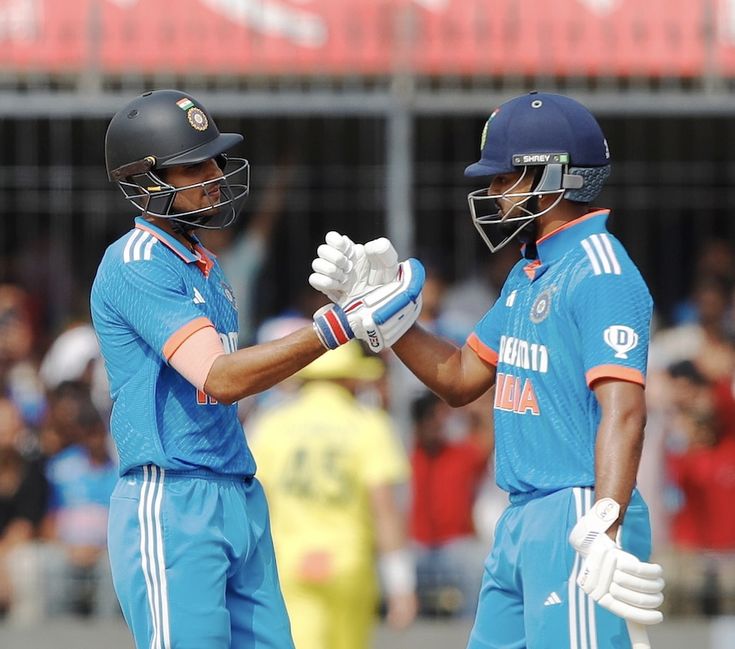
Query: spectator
[
  {"x": 715, "y": 259},
  {"x": 701, "y": 465},
  {"x": 23, "y": 500},
  {"x": 446, "y": 477},
  {"x": 61, "y": 427},
  {"x": 82, "y": 477},
  {"x": 707, "y": 342},
  {"x": 75, "y": 356},
  {"x": 329, "y": 466},
  {"x": 18, "y": 374}
]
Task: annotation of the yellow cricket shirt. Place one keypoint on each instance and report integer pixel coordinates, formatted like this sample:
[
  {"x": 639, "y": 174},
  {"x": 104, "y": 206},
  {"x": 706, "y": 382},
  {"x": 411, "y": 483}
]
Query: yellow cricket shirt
[{"x": 318, "y": 456}]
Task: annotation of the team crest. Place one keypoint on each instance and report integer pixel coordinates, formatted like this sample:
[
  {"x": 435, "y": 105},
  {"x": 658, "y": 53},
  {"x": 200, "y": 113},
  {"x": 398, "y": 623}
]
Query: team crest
[
  {"x": 227, "y": 290},
  {"x": 542, "y": 305},
  {"x": 197, "y": 118}
]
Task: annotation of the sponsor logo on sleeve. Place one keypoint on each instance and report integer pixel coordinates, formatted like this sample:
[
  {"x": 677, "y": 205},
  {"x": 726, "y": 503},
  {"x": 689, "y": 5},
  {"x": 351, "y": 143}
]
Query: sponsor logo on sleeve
[{"x": 621, "y": 339}]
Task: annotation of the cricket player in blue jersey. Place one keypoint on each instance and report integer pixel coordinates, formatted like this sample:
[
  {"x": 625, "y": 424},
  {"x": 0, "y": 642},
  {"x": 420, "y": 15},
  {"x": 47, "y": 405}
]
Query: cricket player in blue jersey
[
  {"x": 189, "y": 537},
  {"x": 565, "y": 346}
]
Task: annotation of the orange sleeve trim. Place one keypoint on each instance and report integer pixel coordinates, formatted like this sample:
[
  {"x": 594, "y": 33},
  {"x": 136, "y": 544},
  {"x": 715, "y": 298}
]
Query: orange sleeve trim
[
  {"x": 615, "y": 372},
  {"x": 180, "y": 335},
  {"x": 482, "y": 350}
]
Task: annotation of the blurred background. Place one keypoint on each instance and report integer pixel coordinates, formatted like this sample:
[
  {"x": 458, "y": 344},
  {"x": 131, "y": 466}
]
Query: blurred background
[{"x": 360, "y": 116}]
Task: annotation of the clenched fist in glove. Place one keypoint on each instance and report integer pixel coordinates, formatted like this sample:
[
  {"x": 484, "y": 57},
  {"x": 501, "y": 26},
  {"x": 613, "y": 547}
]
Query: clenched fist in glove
[
  {"x": 344, "y": 270},
  {"x": 375, "y": 298},
  {"x": 615, "y": 579}
]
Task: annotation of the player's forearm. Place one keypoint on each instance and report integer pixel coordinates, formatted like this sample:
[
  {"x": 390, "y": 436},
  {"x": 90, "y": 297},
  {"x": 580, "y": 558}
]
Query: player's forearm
[
  {"x": 438, "y": 364},
  {"x": 618, "y": 449},
  {"x": 254, "y": 369}
]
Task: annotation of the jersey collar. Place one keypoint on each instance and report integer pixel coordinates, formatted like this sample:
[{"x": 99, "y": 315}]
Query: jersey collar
[
  {"x": 200, "y": 256},
  {"x": 557, "y": 243},
  {"x": 554, "y": 245}
]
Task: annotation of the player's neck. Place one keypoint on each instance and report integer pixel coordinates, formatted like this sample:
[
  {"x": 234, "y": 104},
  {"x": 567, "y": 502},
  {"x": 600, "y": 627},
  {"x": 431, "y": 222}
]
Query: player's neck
[
  {"x": 167, "y": 226},
  {"x": 564, "y": 213}
]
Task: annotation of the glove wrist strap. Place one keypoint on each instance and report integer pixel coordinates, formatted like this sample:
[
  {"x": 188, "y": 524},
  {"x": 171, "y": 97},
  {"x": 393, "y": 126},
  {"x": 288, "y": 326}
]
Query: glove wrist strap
[{"x": 332, "y": 327}]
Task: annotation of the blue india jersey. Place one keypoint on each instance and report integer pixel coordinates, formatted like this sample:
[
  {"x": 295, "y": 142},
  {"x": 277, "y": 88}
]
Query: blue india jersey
[
  {"x": 578, "y": 313},
  {"x": 150, "y": 293}
]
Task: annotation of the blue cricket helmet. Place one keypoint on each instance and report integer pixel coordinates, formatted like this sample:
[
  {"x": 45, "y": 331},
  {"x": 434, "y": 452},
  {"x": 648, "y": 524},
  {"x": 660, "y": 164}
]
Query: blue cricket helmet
[
  {"x": 551, "y": 138},
  {"x": 539, "y": 123}
]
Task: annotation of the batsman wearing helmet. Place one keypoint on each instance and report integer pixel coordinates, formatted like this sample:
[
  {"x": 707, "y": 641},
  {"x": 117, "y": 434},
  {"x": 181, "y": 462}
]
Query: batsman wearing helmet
[
  {"x": 565, "y": 346},
  {"x": 189, "y": 536}
]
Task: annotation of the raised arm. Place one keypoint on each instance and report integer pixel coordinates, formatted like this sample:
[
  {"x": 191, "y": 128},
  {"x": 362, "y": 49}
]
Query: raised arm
[{"x": 456, "y": 374}]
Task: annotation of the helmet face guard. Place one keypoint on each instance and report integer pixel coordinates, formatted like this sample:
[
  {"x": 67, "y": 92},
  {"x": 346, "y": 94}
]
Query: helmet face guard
[
  {"x": 153, "y": 196},
  {"x": 499, "y": 218}
]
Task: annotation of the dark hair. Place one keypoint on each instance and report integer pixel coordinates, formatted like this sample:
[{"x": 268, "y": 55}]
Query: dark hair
[{"x": 687, "y": 370}]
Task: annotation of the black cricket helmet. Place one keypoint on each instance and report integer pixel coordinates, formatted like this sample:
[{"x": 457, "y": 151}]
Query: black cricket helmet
[{"x": 167, "y": 128}]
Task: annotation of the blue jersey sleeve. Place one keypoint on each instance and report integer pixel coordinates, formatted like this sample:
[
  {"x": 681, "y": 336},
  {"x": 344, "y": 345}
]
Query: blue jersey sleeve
[
  {"x": 153, "y": 300},
  {"x": 613, "y": 317}
]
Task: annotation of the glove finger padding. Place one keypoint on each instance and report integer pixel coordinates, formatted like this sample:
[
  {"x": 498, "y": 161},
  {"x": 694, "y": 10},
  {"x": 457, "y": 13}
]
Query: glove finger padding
[
  {"x": 329, "y": 269},
  {"x": 636, "y": 598},
  {"x": 633, "y": 582},
  {"x": 612, "y": 577},
  {"x": 334, "y": 257},
  {"x": 339, "y": 242},
  {"x": 383, "y": 260},
  {"x": 628, "y": 612},
  {"x": 596, "y": 574},
  {"x": 634, "y": 566},
  {"x": 327, "y": 285}
]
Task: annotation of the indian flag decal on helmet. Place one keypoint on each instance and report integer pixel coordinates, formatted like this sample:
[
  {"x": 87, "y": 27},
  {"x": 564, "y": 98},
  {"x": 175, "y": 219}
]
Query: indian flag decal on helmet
[{"x": 185, "y": 103}]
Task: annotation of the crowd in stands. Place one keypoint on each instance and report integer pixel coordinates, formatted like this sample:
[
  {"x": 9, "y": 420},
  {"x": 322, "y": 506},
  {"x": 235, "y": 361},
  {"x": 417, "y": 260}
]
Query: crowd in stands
[{"x": 58, "y": 467}]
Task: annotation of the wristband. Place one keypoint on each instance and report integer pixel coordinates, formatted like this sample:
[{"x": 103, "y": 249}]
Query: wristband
[
  {"x": 332, "y": 327},
  {"x": 397, "y": 572}
]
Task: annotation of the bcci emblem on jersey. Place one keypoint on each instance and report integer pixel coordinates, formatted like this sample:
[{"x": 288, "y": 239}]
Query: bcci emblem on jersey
[
  {"x": 622, "y": 339},
  {"x": 229, "y": 294},
  {"x": 542, "y": 305}
]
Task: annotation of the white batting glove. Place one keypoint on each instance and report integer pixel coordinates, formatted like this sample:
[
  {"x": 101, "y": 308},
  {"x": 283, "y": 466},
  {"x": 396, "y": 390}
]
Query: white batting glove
[
  {"x": 615, "y": 579},
  {"x": 379, "y": 316},
  {"x": 344, "y": 270}
]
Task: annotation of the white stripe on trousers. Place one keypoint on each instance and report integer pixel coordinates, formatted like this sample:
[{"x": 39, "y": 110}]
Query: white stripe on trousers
[
  {"x": 152, "y": 555},
  {"x": 582, "y": 624}
]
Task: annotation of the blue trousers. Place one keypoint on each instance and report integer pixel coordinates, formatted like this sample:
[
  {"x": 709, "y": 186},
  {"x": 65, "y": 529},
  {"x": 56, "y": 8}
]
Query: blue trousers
[
  {"x": 193, "y": 563},
  {"x": 529, "y": 597}
]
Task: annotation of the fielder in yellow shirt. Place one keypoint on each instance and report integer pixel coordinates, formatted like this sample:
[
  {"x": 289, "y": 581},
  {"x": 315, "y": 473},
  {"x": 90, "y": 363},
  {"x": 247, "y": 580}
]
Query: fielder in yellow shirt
[{"x": 329, "y": 466}]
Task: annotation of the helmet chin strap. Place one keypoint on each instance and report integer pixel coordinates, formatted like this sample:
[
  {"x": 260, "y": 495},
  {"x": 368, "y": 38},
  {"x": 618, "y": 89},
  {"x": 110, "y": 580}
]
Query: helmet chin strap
[
  {"x": 184, "y": 230},
  {"x": 529, "y": 233}
]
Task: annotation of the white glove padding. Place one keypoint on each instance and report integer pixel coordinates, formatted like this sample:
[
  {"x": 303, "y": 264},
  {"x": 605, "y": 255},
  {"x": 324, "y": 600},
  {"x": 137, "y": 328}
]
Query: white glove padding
[
  {"x": 343, "y": 270},
  {"x": 382, "y": 315},
  {"x": 615, "y": 579}
]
